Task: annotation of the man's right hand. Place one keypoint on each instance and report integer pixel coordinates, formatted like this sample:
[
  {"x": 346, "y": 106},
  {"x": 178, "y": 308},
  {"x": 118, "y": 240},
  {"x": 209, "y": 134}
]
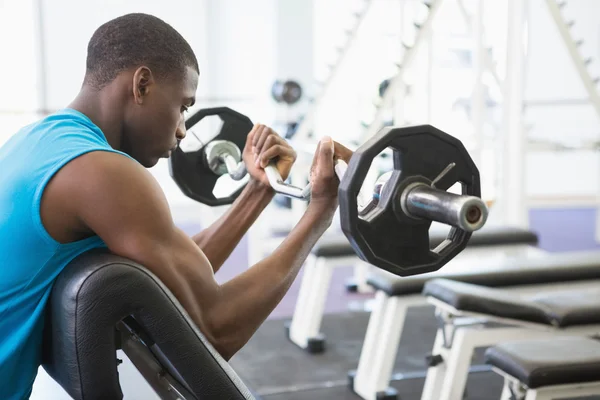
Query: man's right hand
[{"x": 324, "y": 182}]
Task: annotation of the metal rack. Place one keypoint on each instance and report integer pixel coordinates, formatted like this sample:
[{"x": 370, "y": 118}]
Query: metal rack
[{"x": 306, "y": 125}]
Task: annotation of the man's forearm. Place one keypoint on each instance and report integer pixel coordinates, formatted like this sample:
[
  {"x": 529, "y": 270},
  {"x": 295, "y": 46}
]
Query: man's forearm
[
  {"x": 248, "y": 299},
  {"x": 218, "y": 240}
]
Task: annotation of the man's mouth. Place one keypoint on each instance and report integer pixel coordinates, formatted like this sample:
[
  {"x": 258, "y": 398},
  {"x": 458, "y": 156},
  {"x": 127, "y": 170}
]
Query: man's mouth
[{"x": 170, "y": 151}]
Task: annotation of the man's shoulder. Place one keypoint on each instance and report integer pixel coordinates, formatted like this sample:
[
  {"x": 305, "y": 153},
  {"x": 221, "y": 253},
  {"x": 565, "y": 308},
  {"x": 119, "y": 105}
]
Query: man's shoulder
[
  {"x": 69, "y": 124},
  {"x": 67, "y": 135}
]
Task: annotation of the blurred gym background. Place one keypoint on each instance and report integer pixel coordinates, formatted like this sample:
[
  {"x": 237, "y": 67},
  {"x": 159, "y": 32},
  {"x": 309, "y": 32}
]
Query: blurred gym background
[{"x": 514, "y": 80}]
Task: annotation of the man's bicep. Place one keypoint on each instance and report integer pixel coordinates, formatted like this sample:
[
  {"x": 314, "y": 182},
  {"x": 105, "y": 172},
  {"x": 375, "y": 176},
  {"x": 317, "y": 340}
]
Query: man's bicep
[
  {"x": 121, "y": 202},
  {"x": 124, "y": 205}
]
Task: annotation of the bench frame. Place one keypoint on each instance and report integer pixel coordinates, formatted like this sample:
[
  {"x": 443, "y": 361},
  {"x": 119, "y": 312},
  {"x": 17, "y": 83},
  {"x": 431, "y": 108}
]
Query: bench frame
[
  {"x": 304, "y": 328},
  {"x": 514, "y": 389},
  {"x": 447, "y": 379}
]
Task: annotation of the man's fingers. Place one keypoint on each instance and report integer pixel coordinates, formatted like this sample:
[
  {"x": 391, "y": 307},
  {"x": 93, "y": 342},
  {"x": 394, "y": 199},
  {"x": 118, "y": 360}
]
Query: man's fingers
[
  {"x": 341, "y": 151},
  {"x": 277, "y": 150},
  {"x": 269, "y": 142},
  {"x": 251, "y": 135},
  {"x": 325, "y": 157},
  {"x": 264, "y": 133},
  {"x": 258, "y": 128}
]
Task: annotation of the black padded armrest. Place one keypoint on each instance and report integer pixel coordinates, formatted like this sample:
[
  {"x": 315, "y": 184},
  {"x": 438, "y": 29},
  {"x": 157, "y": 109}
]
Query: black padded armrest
[{"x": 91, "y": 296}]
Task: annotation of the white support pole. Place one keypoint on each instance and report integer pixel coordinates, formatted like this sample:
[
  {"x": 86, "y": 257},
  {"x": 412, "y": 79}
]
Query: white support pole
[
  {"x": 478, "y": 101},
  {"x": 489, "y": 62},
  {"x": 400, "y": 94},
  {"x": 512, "y": 194},
  {"x": 398, "y": 80},
  {"x": 40, "y": 55},
  {"x": 429, "y": 106}
]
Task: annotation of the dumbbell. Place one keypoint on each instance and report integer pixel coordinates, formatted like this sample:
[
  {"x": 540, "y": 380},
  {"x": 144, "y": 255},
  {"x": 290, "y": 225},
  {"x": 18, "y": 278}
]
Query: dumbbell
[{"x": 390, "y": 230}]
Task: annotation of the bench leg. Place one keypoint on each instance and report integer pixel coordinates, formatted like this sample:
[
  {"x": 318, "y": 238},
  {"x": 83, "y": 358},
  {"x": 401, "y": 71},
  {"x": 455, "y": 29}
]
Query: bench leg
[
  {"x": 535, "y": 395},
  {"x": 435, "y": 374},
  {"x": 447, "y": 380},
  {"x": 358, "y": 282},
  {"x": 457, "y": 363},
  {"x": 378, "y": 355},
  {"x": 306, "y": 321},
  {"x": 506, "y": 394}
]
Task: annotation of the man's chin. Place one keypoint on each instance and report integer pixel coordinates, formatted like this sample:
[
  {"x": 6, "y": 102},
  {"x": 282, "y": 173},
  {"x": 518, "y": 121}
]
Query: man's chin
[{"x": 150, "y": 163}]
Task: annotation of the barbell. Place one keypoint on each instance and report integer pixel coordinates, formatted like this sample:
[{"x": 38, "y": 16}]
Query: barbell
[{"x": 390, "y": 229}]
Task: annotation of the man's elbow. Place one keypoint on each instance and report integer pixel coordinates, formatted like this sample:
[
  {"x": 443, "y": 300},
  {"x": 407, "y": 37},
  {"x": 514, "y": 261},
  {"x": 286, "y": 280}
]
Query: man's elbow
[
  {"x": 225, "y": 339},
  {"x": 225, "y": 345}
]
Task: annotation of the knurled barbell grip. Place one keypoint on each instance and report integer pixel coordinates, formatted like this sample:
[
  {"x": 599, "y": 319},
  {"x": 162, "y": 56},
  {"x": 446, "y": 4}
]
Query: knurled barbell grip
[
  {"x": 463, "y": 211},
  {"x": 238, "y": 170},
  {"x": 281, "y": 187}
]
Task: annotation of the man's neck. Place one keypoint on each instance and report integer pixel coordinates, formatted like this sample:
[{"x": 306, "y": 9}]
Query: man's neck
[{"x": 104, "y": 109}]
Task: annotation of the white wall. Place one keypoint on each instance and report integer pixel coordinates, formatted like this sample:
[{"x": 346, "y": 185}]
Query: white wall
[
  {"x": 69, "y": 24},
  {"x": 18, "y": 58},
  {"x": 18, "y": 79},
  {"x": 241, "y": 40}
]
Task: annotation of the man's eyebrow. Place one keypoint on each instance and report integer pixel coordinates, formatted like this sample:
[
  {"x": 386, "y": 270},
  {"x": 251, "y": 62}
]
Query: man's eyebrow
[{"x": 191, "y": 101}]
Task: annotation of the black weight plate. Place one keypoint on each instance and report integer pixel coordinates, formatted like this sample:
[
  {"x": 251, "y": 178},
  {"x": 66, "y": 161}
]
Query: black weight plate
[
  {"x": 385, "y": 236},
  {"x": 189, "y": 170}
]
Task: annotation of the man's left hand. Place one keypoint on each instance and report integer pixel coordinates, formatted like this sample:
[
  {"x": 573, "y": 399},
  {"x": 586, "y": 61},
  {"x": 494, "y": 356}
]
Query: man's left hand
[{"x": 264, "y": 145}]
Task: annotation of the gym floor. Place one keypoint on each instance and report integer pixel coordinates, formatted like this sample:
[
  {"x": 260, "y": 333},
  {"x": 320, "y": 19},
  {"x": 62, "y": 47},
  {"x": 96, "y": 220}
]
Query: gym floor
[{"x": 275, "y": 369}]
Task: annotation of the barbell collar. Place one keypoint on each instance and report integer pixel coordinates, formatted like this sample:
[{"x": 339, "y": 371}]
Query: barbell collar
[{"x": 420, "y": 200}]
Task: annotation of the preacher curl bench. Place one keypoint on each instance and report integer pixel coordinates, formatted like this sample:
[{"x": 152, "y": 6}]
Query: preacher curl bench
[{"x": 101, "y": 303}]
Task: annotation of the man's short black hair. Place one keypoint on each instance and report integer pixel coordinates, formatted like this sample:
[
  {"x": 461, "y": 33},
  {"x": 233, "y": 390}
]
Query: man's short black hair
[{"x": 134, "y": 40}]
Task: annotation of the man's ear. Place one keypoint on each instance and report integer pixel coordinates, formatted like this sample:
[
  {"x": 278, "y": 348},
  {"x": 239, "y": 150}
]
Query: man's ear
[{"x": 143, "y": 79}]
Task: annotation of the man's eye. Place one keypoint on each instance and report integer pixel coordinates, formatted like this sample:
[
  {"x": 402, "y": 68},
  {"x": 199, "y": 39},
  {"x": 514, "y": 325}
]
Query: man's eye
[{"x": 184, "y": 109}]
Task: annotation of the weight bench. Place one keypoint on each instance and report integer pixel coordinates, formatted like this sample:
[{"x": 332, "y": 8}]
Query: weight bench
[
  {"x": 102, "y": 303},
  {"x": 546, "y": 369},
  {"x": 335, "y": 250},
  {"x": 474, "y": 316},
  {"x": 520, "y": 274}
]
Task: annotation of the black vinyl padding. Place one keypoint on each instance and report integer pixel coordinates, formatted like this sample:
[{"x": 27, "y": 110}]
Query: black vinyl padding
[
  {"x": 338, "y": 246},
  {"x": 561, "y": 309},
  {"x": 548, "y": 362},
  {"x": 94, "y": 293},
  {"x": 553, "y": 268}
]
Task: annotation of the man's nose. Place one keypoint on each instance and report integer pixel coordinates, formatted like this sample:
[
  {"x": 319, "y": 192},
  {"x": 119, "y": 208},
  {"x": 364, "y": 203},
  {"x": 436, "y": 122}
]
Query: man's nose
[{"x": 181, "y": 131}]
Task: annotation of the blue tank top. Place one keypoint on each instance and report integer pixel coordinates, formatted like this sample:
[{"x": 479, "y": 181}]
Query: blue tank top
[{"x": 30, "y": 259}]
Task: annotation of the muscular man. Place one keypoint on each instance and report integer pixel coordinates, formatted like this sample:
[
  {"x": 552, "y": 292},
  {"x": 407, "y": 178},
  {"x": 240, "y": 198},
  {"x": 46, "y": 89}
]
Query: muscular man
[{"x": 76, "y": 180}]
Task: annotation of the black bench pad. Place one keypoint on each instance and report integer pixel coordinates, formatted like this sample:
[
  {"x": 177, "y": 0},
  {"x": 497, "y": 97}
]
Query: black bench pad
[
  {"x": 89, "y": 298},
  {"x": 548, "y": 362},
  {"x": 338, "y": 246},
  {"x": 561, "y": 267},
  {"x": 561, "y": 309}
]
